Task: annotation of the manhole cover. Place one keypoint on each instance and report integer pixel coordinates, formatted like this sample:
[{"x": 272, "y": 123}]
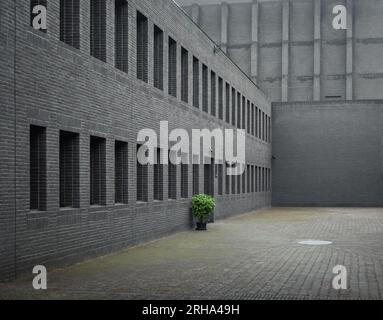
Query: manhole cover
[{"x": 315, "y": 242}]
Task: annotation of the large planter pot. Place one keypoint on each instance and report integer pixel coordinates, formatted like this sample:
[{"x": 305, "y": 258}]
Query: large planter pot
[{"x": 201, "y": 226}]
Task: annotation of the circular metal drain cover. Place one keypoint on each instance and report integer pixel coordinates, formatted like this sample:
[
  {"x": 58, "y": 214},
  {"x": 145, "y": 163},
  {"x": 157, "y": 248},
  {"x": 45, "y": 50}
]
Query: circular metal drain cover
[{"x": 315, "y": 242}]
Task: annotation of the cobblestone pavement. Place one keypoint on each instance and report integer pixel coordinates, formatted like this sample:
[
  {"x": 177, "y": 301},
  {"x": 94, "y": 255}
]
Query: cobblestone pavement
[{"x": 253, "y": 256}]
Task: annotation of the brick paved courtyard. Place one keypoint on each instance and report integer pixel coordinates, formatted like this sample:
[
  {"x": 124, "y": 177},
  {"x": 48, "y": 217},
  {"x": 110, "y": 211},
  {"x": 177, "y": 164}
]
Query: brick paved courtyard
[{"x": 253, "y": 256}]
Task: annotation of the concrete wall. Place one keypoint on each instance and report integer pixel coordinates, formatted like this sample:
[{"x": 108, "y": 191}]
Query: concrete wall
[
  {"x": 291, "y": 50},
  {"x": 328, "y": 154},
  {"x": 62, "y": 88}
]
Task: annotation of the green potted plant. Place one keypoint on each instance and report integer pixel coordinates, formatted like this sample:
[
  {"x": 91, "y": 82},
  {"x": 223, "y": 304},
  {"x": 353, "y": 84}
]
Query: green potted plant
[{"x": 202, "y": 206}]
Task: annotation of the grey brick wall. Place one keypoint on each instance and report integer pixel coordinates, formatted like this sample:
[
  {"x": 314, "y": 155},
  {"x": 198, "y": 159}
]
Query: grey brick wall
[
  {"x": 7, "y": 141},
  {"x": 328, "y": 154},
  {"x": 62, "y": 88}
]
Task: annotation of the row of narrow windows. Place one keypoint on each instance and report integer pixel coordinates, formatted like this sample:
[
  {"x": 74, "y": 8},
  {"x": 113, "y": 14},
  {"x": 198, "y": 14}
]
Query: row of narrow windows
[
  {"x": 258, "y": 178},
  {"x": 244, "y": 114}
]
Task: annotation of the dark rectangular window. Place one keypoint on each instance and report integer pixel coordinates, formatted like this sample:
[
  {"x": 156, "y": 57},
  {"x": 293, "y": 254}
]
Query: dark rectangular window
[
  {"x": 244, "y": 181},
  {"x": 248, "y": 117},
  {"x": 238, "y": 184},
  {"x": 227, "y": 180},
  {"x": 233, "y": 184},
  {"x": 70, "y": 22},
  {"x": 37, "y": 169},
  {"x": 34, "y": 14},
  {"x": 121, "y": 34},
  {"x": 252, "y": 119},
  {"x": 97, "y": 171},
  {"x": 252, "y": 179},
  {"x": 195, "y": 82},
  {"x": 238, "y": 110},
  {"x": 256, "y": 179},
  {"x": 172, "y": 180},
  {"x": 270, "y": 180},
  {"x": 263, "y": 180},
  {"x": 209, "y": 178},
  {"x": 256, "y": 121},
  {"x": 69, "y": 170},
  {"x": 248, "y": 175},
  {"x": 269, "y": 176},
  {"x": 195, "y": 179},
  {"x": 220, "y": 179},
  {"x": 142, "y": 47},
  {"x": 172, "y": 65},
  {"x": 260, "y": 124},
  {"x": 158, "y": 59},
  {"x": 227, "y": 91},
  {"x": 142, "y": 180},
  {"x": 220, "y": 98},
  {"x": 243, "y": 113},
  {"x": 266, "y": 127},
  {"x": 158, "y": 177},
  {"x": 213, "y": 92},
  {"x": 205, "y": 97},
  {"x": 233, "y": 107},
  {"x": 121, "y": 172},
  {"x": 269, "y": 134},
  {"x": 184, "y": 181},
  {"x": 184, "y": 75},
  {"x": 98, "y": 29}
]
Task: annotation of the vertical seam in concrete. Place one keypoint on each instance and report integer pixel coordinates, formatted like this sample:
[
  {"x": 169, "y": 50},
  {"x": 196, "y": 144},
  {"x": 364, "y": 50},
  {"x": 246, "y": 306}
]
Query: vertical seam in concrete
[
  {"x": 317, "y": 51},
  {"x": 285, "y": 49},
  {"x": 224, "y": 26},
  {"x": 349, "y": 51},
  {"x": 195, "y": 13},
  {"x": 254, "y": 40}
]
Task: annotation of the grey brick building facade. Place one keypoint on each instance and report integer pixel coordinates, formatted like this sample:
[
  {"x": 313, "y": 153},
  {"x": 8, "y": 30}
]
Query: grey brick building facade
[{"x": 72, "y": 104}]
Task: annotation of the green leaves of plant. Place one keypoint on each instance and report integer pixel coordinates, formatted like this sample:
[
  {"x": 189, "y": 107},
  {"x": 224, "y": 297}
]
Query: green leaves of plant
[{"x": 202, "y": 206}]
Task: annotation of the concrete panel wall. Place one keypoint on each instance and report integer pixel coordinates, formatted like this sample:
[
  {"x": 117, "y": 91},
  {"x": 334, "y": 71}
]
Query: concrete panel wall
[
  {"x": 301, "y": 54},
  {"x": 333, "y": 55},
  {"x": 301, "y": 13},
  {"x": 270, "y": 49},
  {"x": 301, "y": 72},
  {"x": 210, "y": 21},
  {"x": 368, "y": 21},
  {"x": 239, "y": 35},
  {"x": 328, "y": 154},
  {"x": 347, "y": 63},
  {"x": 368, "y": 33}
]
